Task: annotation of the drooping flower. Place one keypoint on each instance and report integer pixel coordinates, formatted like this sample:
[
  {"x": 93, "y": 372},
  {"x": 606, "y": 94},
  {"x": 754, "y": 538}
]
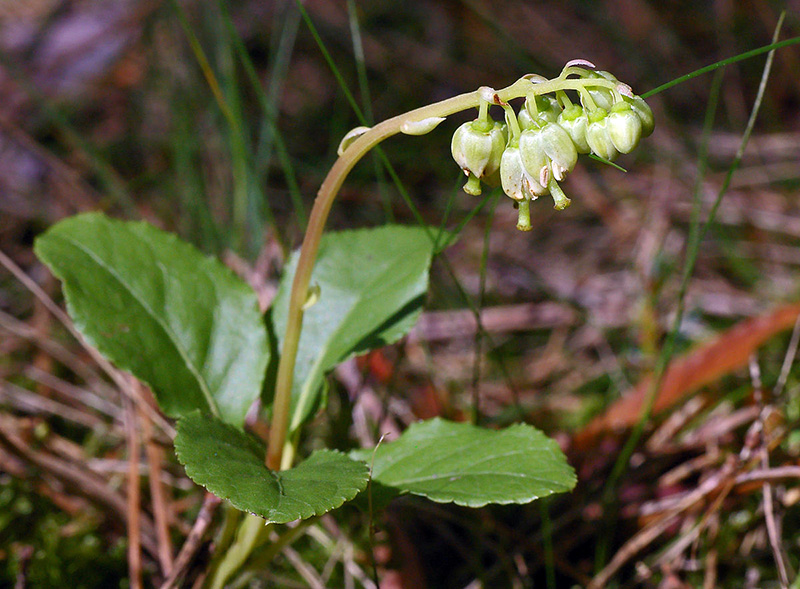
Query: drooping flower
[
  {"x": 624, "y": 127},
  {"x": 477, "y": 147}
]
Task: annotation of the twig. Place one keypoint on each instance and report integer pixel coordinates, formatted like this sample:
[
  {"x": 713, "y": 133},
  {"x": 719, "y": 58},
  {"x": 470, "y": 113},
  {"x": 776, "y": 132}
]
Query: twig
[
  {"x": 773, "y": 533},
  {"x": 81, "y": 196},
  {"x": 722, "y": 478},
  {"x": 158, "y": 497},
  {"x": 14, "y": 466},
  {"x": 25, "y": 554},
  {"x": 262, "y": 560},
  {"x": 31, "y": 402},
  {"x": 771, "y": 474},
  {"x": 134, "y": 496},
  {"x": 710, "y": 576},
  {"x": 693, "y": 536},
  {"x": 303, "y": 568},
  {"x": 763, "y": 452},
  {"x": 41, "y": 321},
  {"x": 57, "y": 351},
  {"x": 631, "y": 547},
  {"x": 193, "y": 541},
  {"x": 75, "y": 395},
  {"x": 342, "y": 550},
  {"x": 443, "y": 325}
]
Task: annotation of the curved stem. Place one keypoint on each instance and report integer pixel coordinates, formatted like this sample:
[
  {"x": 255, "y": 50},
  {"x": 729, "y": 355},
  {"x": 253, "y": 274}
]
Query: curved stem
[
  {"x": 319, "y": 215},
  {"x": 308, "y": 252}
]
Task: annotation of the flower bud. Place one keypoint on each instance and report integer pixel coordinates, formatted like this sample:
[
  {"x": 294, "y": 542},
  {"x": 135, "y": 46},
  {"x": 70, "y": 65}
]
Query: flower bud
[
  {"x": 624, "y": 127},
  {"x": 515, "y": 179},
  {"x": 597, "y": 135},
  {"x": 642, "y": 110},
  {"x": 477, "y": 147},
  {"x": 574, "y": 121}
]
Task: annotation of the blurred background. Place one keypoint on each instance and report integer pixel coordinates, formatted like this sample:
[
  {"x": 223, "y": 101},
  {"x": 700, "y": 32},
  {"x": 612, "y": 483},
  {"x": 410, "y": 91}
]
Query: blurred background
[{"x": 219, "y": 121}]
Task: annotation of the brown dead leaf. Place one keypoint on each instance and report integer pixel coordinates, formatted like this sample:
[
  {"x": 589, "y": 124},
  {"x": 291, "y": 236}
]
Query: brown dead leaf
[{"x": 705, "y": 364}]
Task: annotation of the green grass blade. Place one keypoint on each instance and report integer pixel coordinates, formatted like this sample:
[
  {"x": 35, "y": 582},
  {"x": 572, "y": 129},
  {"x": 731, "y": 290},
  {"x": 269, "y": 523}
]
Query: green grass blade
[
  {"x": 723, "y": 63},
  {"x": 195, "y": 218},
  {"x": 366, "y": 100},
  {"x": 227, "y": 98},
  {"x": 270, "y": 136}
]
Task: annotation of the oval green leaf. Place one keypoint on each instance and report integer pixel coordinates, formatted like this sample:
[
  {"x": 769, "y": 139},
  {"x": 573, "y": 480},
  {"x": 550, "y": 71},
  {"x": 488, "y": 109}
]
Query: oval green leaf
[
  {"x": 372, "y": 283},
  {"x": 155, "y": 306},
  {"x": 230, "y": 463},
  {"x": 471, "y": 466}
]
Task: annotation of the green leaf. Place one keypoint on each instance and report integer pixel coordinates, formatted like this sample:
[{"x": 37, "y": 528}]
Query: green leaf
[
  {"x": 471, "y": 466},
  {"x": 230, "y": 463},
  {"x": 155, "y": 306},
  {"x": 372, "y": 285}
]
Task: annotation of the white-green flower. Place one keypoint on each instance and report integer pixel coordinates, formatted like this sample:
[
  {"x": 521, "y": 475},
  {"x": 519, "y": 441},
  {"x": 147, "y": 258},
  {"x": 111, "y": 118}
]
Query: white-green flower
[
  {"x": 624, "y": 127},
  {"x": 477, "y": 147},
  {"x": 559, "y": 148},
  {"x": 517, "y": 182},
  {"x": 597, "y": 135}
]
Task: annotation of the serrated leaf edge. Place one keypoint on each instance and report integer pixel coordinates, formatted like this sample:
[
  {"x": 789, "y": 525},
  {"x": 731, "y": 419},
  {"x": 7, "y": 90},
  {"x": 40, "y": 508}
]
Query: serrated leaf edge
[
  {"x": 551, "y": 445},
  {"x": 211, "y": 487}
]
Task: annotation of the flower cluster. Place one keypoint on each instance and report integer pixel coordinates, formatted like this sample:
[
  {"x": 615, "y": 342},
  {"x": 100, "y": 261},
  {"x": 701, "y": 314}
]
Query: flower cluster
[{"x": 534, "y": 149}]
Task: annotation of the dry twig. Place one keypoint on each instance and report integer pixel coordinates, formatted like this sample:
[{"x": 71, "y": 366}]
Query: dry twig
[
  {"x": 134, "y": 496},
  {"x": 193, "y": 541},
  {"x": 763, "y": 456},
  {"x": 158, "y": 493}
]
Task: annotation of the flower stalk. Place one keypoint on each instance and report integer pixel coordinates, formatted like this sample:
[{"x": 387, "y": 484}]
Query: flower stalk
[
  {"x": 417, "y": 122},
  {"x": 316, "y": 223}
]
